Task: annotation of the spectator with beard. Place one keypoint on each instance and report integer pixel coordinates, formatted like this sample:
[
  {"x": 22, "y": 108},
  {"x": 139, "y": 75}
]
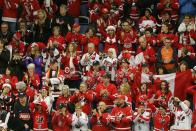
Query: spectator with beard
[
  {"x": 4, "y": 33},
  {"x": 100, "y": 119},
  {"x": 121, "y": 115},
  {"x": 22, "y": 113},
  {"x": 167, "y": 56}
]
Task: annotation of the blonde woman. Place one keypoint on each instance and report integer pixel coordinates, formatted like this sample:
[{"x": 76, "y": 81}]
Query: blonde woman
[
  {"x": 42, "y": 27},
  {"x": 70, "y": 64},
  {"x": 125, "y": 89},
  {"x": 79, "y": 119},
  {"x": 110, "y": 63}
]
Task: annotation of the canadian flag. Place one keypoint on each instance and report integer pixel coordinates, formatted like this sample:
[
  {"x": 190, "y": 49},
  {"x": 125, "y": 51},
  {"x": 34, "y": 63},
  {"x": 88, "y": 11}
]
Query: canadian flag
[{"x": 178, "y": 82}]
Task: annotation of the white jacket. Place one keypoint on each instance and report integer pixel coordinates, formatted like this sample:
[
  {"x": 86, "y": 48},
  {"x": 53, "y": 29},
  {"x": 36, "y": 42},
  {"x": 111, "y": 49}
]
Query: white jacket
[
  {"x": 111, "y": 66},
  {"x": 83, "y": 120},
  {"x": 183, "y": 118},
  {"x": 183, "y": 28},
  {"x": 141, "y": 122},
  {"x": 92, "y": 57}
]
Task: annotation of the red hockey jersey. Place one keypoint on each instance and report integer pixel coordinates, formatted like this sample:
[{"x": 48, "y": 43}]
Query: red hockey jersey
[
  {"x": 100, "y": 123},
  {"x": 30, "y": 8},
  {"x": 161, "y": 122},
  {"x": 62, "y": 122},
  {"x": 10, "y": 13},
  {"x": 59, "y": 41},
  {"x": 122, "y": 117},
  {"x": 111, "y": 90},
  {"x": 40, "y": 119}
]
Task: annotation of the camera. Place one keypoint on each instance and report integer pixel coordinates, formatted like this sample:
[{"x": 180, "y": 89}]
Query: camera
[{"x": 78, "y": 125}]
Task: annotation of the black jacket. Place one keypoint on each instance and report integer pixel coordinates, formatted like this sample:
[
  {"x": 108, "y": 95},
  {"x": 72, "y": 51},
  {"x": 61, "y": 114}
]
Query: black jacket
[
  {"x": 67, "y": 20},
  {"x": 6, "y": 38},
  {"x": 22, "y": 116},
  {"x": 4, "y": 60},
  {"x": 42, "y": 32}
]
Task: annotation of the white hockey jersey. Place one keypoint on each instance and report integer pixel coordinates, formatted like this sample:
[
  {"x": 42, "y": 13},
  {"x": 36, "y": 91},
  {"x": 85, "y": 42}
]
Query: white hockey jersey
[
  {"x": 141, "y": 122},
  {"x": 183, "y": 116}
]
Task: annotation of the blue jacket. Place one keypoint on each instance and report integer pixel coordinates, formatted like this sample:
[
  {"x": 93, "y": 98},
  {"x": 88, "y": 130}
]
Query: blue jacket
[
  {"x": 38, "y": 64},
  {"x": 187, "y": 7}
]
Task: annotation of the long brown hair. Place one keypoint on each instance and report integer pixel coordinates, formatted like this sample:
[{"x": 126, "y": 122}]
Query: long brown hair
[
  {"x": 166, "y": 86},
  {"x": 74, "y": 48},
  {"x": 140, "y": 88}
]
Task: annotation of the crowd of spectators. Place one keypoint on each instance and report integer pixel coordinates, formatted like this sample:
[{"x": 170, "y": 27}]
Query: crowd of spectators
[{"x": 75, "y": 65}]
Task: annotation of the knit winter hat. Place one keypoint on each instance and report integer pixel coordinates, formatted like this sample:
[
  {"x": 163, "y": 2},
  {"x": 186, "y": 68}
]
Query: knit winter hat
[
  {"x": 149, "y": 10},
  {"x": 7, "y": 85},
  {"x": 110, "y": 27}
]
